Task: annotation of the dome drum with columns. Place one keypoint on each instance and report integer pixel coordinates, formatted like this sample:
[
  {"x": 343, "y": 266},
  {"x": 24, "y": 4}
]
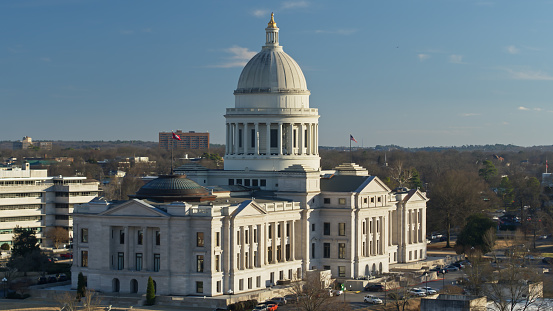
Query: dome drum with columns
[{"x": 271, "y": 126}]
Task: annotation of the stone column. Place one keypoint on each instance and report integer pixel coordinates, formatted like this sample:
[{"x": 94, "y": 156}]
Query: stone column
[
  {"x": 301, "y": 136},
  {"x": 374, "y": 232},
  {"x": 309, "y": 139},
  {"x": 291, "y": 138},
  {"x": 367, "y": 237},
  {"x": 382, "y": 235},
  {"x": 283, "y": 241},
  {"x": 268, "y": 142},
  {"x": 235, "y": 144},
  {"x": 242, "y": 248},
  {"x": 251, "y": 248},
  {"x": 316, "y": 139},
  {"x": 279, "y": 138},
  {"x": 245, "y": 142},
  {"x": 292, "y": 240},
  {"x": 273, "y": 240},
  {"x": 256, "y": 138}
]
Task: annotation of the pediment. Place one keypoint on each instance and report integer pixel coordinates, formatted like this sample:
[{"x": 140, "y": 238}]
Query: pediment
[
  {"x": 249, "y": 208},
  {"x": 134, "y": 207},
  {"x": 374, "y": 185},
  {"x": 416, "y": 196}
]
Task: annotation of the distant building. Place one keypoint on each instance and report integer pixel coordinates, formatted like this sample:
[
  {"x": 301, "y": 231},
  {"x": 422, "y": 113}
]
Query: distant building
[
  {"x": 27, "y": 142},
  {"x": 31, "y": 199},
  {"x": 189, "y": 140}
]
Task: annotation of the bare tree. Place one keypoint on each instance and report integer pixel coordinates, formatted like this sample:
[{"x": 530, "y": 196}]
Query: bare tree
[
  {"x": 399, "y": 296},
  {"x": 91, "y": 300},
  {"x": 58, "y": 236},
  {"x": 313, "y": 296},
  {"x": 66, "y": 301}
]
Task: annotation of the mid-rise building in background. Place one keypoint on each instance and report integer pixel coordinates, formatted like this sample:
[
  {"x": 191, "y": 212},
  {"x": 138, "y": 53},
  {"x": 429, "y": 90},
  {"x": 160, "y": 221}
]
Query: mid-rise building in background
[
  {"x": 27, "y": 142},
  {"x": 188, "y": 140},
  {"x": 31, "y": 199}
]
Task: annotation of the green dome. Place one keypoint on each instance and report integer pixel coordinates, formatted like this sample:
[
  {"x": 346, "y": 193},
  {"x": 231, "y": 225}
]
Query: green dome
[{"x": 173, "y": 188}]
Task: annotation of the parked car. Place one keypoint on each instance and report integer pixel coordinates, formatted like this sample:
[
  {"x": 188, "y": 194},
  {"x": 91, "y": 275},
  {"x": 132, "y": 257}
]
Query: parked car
[
  {"x": 459, "y": 265},
  {"x": 272, "y": 307},
  {"x": 52, "y": 279},
  {"x": 260, "y": 308},
  {"x": 66, "y": 256},
  {"x": 42, "y": 280},
  {"x": 279, "y": 300},
  {"x": 291, "y": 298},
  {"x": 429, "y": 290},
  {"x": 417, "y": 292},
  {"x": 451, "y": 268},
  {"x": 374, "y": 288},
  {"x": 372, "y": 299},
  {"x": 61, "y": 277},
  {"x": 337, "y": 292}
]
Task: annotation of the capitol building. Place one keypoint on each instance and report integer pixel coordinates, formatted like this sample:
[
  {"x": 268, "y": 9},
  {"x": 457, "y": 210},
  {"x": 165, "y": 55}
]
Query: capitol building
[{"x": 267, "y": 218}]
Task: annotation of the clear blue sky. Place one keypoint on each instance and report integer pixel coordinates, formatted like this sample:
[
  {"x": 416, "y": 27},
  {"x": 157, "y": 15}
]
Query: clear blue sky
[{"x": 411, "y": 73}]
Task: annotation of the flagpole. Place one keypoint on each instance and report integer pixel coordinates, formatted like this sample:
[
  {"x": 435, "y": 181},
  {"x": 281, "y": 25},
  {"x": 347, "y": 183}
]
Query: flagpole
[
  {"x": 350, "y": 154},
  {"x": 172, "y": 142}
]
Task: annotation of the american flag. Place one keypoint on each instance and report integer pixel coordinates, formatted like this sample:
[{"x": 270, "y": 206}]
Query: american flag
[
  {"x": 175, "y": 136},
  {"x": 351, "y": 138}
]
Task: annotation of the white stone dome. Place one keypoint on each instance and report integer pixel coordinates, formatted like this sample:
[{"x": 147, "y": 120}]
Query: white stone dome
[{"x": 272, "y": 70}]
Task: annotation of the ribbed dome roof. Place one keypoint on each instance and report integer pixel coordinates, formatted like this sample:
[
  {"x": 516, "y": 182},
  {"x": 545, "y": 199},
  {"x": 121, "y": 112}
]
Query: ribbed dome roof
[
  {"x": 271, "y": 70},
  {"x": 173, "y": 188}
]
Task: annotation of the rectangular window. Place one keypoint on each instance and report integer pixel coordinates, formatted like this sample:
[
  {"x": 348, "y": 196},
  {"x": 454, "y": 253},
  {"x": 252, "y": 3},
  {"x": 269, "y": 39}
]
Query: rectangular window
[
  {"x": 140, "y": 237},
  {"x": 255, "y": 182},
  {"x": 240, "y": 138},
  {"x": 217, "y": 238},
  {"x": 312, "y": 250},
  {"x": 272, "y": 278},
  {"x": 326, "y": 200},
  {"x": 157, "y": 262},
  {"x": 326, "y": 253},
  {"x": 199, "y": 287},
  {"x": 247, "y": 236},
  {"x": 365, "y": 200},
  {"x": 239, "y": 181},
  {"x": 363, "y": 227},
  {"x": 238, "y": 237},
  {"x": 341, "y": 250},
  {"x": 121, "y": 236},
  {"x": 312, "y": 227},
  {"x": 326, "y": 228},
  {"x": 342, "y": 228},
  {"x": 218, "y": 286},
  {"x": 255, "y": 235},
  {"x": 263, "y": 182},
  {"x": 270, "y": 254},
  {"x": 200, "y": 263},
  {"x": 289, "y": 274},
  {"x": 84, "y": 235},
  {"x": 138, "y": 261},
  {"x": 254, "y": 258},
  {"x": 217, "y": 269},
  {"x": 84, "y": 258},
  {"x": 287, "y": 230},
  {"x": 158, "y": 238},
  {"x": 342, "y": 201},
  {"x": 295, "y": 138},
  {"x": 274, "y": 138},
  {"x": 281, "y": 275},
  {"x": 250, "y": 282},
  {"x": 241, "y": 284},
  {"x": 287, "y": 249},
  {"x": 120, "y": 261},
  {"x": 341, "y": 271},
  {"x": 279, "y": 230},
  {"x": 363, "y": 250},
  {"x": 199, "y": 239},
  {"x": 253, "y": 137},
  {"x": 258, "y": 281},
  {"x": 246, "y": 182},
  {"x": 231, "y": 181},
  {"x": 326, "y": 267},
  {"x": 305, "y": 139},
  {"x": 270, "y": 231},
  {"x": 279, "y": 253}
]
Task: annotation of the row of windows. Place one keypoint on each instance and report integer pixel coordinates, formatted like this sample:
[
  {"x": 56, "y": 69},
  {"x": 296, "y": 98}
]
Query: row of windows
[
  {"x": 326, "y": 250},
  {"x": 20, "y": 182},
  {"x": 10, "y": 231},
  {"x": 22, "y": 206},
  {"x": 342, "y": 201},
  {"x": 139, "y": 237},
  {"x": 248, "y": 182},
  {"x": 76, "y": 194},
  {"x": 20, "y": 195},
  {"x": 64, "y": 205},
  {"x": 326, "y": 228},
  {"x": 64, "y": 217},
  {"x": 20, "y": 218},
  {"x": 200, "y": 285}
]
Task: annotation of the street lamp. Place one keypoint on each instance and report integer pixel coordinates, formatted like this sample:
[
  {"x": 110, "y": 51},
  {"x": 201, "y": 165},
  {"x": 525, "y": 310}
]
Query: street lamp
[
  {"x": 230, "y": 292},
  {"x": 443, "y": 279},
  {"x": 426, "y": 282},
  {"x": 5, "y": 282}
]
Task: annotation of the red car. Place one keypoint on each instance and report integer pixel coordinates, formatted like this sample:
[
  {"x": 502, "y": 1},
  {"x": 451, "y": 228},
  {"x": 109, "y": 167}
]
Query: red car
[{"x": 272, "y": 307}]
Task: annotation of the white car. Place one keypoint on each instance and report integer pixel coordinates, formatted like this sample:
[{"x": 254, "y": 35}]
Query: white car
[
  {"x": 429, "y": 290},
  {"x": 372, "y": 299},
  {"x": 417, "y": 292}
]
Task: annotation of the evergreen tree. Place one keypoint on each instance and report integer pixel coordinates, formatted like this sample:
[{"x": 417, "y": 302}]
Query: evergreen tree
[
  {"x": 150, "y": 293},
  {"x": 81, "y": 286},
  {"x": 415, "y": 180},
  {"x": 26, "y": 254},
  {"x": 488, "y": 172}
]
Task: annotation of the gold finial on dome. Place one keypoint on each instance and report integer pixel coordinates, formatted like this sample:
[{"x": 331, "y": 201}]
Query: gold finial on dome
[{"x": 272, "y": 23}]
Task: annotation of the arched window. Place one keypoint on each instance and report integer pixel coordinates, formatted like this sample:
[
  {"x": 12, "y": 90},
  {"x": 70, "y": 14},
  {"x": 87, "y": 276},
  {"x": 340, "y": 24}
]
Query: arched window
[
  {"x": 380, "y": 267},
  {"x": 134, "y": 286},
  {"x": 115, "y": 287}
]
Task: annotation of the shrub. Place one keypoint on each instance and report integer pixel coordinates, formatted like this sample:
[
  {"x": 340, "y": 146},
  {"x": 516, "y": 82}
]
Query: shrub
[
  {"x": 5, "y": 247},
  {"x": 81, "y": 287},
  {"x": 150, "y": 293}
]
